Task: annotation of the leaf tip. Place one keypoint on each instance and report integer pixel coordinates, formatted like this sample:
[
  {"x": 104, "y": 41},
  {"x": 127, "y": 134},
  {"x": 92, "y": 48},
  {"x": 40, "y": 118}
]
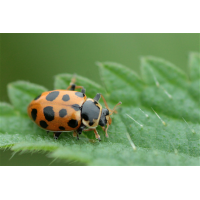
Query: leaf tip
[
  {"x": 9, "y": 86},
  {"x": 145, "y": 59},
  {"x": 142, "y": 59},
  {"x": 99, "y": 64},
  {"x": 193, "y": 53}
]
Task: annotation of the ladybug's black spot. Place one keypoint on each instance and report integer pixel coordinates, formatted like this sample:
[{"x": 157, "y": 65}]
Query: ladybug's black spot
[
  {"x": 76, "y": 107},
  {"x": 73, "y": 123},
  {"x": 37, "y": 97},
  {"x": 62, "y": 112},
  {"x": 62, "y": 128},
  {"x": 34, "y": 114},
  {"x": 65, "y": 97},
  {"x": 49, "y": 113},
  {"x": 79, "y": 94},
  {"x": 43, "y": 124},
  {"x": 51, "y": 96}
]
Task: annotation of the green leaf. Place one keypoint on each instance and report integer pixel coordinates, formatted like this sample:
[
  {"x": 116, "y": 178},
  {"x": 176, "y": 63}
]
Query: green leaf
[
  {"x": 194, "y": 64},
  {"x": 21, "y": 93},
  {"x": 118, "y": 81},
  {"x": 62, "y": 81},
  {"x": 159, "y": 115},
  {"x": 167, "y": 92},
  {"x": 159, "y": 71}
]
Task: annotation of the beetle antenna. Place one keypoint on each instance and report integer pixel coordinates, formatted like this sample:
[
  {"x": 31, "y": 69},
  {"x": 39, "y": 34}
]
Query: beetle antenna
[
  {"x": 105, "y": 102},
  {"x": 114, "y": 109}
]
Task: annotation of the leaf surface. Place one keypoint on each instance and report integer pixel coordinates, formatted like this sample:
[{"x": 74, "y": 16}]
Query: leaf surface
[{"x": 160, "y": 114}]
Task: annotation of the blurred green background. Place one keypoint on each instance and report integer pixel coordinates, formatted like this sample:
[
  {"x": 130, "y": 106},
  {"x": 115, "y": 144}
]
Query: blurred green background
[{"x": 38, "y": 57}]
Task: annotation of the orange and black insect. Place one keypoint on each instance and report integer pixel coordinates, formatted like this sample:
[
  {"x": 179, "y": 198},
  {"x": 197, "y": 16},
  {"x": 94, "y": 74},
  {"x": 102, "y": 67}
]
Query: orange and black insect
[{"x": 69, "y": 110}]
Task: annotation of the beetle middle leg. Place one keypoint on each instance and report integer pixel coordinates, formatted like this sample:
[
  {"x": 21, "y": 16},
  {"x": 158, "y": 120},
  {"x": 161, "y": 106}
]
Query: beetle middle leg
[
  {"x": 56, "y": 135},
  {"x": 79, "y": 131},
  {"x": 73, "y": 86},
  {"x": 75, "y": 134}
]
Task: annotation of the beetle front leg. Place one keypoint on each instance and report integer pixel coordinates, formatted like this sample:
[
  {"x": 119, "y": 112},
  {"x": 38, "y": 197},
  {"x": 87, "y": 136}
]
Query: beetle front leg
[
  {"x": 95, "y": 132},
  {"x": 105, "y": 130},
  {"x": 97, "y": 135}
]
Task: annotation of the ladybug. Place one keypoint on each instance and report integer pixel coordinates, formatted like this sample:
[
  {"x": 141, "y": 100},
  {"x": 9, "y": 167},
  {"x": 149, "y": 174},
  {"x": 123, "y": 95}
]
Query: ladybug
[{"x": 69, "y": 110}]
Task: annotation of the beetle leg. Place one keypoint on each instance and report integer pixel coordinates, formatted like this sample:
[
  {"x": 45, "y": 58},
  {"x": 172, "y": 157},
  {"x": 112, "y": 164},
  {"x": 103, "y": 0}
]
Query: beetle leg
[
  {"x": 47, "y": 132},
  {"x": 75, "y": 134},
  {"x": 105, "y": 130},
  {"x": 83, "y": 90},
  {"x": 97, "y": 135},
  {"x": 56, "y": 135},
  {"x": 73, "y": 86},
  {"x": 80, "y": 129},
  {"x": 95, "y": 132}
]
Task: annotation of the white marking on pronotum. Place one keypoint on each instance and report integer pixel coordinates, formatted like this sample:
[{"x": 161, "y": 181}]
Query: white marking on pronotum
[
  {"x": 193, "y": 131},
  {"x": 159, "y": 117},
  {"x": 135, "y": 120},
  {"x": 144, "y": 113},
  {"x": 132, "y": 144}
]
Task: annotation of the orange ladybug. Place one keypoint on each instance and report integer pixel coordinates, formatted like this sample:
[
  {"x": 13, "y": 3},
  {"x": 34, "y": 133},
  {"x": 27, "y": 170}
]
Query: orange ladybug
[{"x": 69, "y": 110}]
